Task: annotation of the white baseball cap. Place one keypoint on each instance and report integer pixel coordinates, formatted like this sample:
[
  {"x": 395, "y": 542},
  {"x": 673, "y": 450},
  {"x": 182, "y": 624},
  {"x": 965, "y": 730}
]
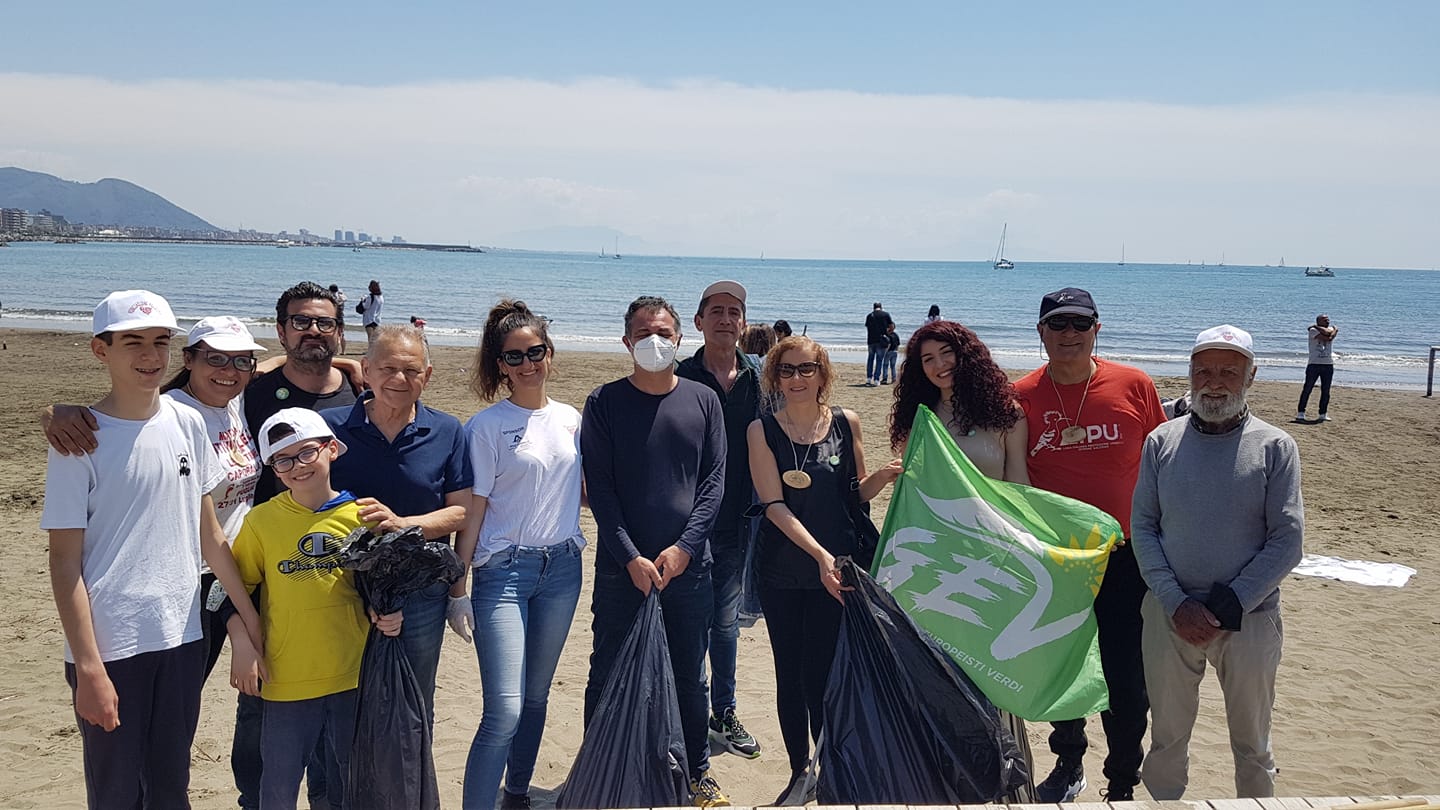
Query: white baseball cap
[
  {"x": 223, "y": 333},
  {"x": 305, "y": 423},
  {"x": 133, "y": 310},
  {"x": 1224, "y": 336}
]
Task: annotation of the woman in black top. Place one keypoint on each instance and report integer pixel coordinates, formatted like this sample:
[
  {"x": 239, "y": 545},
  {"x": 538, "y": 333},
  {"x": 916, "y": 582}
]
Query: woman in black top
[{"x": 808, "y": 464}]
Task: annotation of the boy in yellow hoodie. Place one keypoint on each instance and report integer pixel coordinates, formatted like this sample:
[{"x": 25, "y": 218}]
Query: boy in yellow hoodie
[{"x": 314, "y": 620}]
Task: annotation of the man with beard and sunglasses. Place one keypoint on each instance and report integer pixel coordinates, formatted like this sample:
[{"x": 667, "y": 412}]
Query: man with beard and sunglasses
[
  {"x": 1088, "y": 419},
  {"x": 1219, "y": 523}
]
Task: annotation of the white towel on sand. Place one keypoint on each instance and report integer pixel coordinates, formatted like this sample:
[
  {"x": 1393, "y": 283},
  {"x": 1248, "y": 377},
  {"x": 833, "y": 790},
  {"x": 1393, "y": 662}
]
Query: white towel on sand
[{"x": 1360, "y": 572}]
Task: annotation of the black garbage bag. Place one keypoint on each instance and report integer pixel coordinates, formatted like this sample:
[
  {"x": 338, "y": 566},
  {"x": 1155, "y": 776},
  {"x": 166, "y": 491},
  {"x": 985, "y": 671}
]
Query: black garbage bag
[
  {"x": 633, "y": 754},
  {"x": 903, "y": 723},
  {"x": 391, "y": 767}
]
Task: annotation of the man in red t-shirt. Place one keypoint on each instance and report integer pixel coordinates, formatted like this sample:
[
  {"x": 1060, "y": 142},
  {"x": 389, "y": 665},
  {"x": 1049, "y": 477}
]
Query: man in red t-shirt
[{"x": 1088, "y": 419}]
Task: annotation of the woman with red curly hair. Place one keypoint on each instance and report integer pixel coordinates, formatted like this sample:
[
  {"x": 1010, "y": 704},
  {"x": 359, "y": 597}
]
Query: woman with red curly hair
[{"x": 949, "y": 370}]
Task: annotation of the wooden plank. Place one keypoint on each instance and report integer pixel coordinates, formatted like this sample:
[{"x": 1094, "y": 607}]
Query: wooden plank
[
  {"x": 1328, "y": 801},
  {"x": 1285, "y": 803},
  {"x": 1234, "y": 804}
]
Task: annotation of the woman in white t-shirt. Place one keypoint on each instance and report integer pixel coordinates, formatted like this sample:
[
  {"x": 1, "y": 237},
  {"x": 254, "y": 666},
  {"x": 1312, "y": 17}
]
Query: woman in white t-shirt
[
  {"x": 219, "y": 362},
  {"x": 522, "y": 537}
]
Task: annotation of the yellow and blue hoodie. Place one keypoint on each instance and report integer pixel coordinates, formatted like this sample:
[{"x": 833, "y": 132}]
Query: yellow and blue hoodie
[{"x": 314, "y": 621}]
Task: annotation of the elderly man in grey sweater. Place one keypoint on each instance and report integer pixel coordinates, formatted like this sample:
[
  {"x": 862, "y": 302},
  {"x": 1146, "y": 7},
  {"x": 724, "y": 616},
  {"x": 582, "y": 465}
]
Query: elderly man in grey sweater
[{"x": 1217, "y": 525}]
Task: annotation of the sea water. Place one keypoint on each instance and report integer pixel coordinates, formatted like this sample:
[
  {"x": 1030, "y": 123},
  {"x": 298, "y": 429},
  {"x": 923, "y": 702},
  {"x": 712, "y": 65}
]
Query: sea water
[{"x": 1150, "y": 313}]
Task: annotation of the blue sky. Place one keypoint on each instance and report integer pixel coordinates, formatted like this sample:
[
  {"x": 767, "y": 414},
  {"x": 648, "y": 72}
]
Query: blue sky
[{"x": 1164, "y": 125}]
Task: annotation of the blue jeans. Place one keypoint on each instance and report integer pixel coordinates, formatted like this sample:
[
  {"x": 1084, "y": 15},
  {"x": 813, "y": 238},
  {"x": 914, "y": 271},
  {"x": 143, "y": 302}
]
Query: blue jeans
[
  {"x": 288, "y": 737},
  {"x": 726, "y": 577},
  {"x": 687, "y": 603},
  {"x": 875, "y": 360},
  {"x": 887, "y": 370},
  {"x": 422, "y": 632},
  {"x": 524, "y": 601}
]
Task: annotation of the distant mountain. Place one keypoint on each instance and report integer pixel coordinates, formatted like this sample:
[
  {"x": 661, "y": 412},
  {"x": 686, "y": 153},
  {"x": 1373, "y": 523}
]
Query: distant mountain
[{"x": 105, "y": 202}]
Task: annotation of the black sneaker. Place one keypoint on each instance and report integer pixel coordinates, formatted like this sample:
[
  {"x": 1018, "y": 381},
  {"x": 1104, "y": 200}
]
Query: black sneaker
[
  {"x": 795, "y": 793},
  {"x": 514, "y": 801},
  {"x": 1063, "y": 784},
  {"x": 727, "y": 731},
  {"x": 1118, "y": 793}
]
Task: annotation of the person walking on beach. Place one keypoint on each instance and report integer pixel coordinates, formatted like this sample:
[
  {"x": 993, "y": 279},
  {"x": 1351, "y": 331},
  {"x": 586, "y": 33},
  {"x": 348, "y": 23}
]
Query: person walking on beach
[
  {"x": 934, "y": 314},
  {"x": 653, "y": 450},
  {"x": 369, "y": 308},
  {"x": 892, "y": 355},
  {"x": 875, "y": 325},
  {"x": 720, "y": 365},
  {"x": 1087, "y": 420},
  {"x": 126, "y": 581},
  {"x": 340, "y": 303},
  {"x": 522, "y": 542},
  {"x": 1321, "y": 337},
  {"x": 1218, "y": 525},
  {"x": 808, "y": 462}
]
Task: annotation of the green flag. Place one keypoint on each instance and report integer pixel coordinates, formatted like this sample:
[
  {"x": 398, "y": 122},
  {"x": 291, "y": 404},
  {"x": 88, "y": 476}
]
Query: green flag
[{"x": 1003, "y": 576}]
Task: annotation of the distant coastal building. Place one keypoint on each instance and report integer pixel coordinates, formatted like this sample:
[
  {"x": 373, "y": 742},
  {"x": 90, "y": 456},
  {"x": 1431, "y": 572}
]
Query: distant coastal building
[
  {"x": 397, "y": 240},
  {"x": 339, "y": 235},
  {"x": 14, "y": 220},
  {"x": 349, "y": 236},
  {"x": 364, "y": 237}
]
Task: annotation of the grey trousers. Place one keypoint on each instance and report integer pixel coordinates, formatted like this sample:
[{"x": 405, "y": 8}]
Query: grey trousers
[{"x": 1245, "y": 662}]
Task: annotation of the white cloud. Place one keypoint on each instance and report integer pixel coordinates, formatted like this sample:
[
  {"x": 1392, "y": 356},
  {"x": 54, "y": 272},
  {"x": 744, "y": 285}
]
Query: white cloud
[{"x": 711, "y": 167}]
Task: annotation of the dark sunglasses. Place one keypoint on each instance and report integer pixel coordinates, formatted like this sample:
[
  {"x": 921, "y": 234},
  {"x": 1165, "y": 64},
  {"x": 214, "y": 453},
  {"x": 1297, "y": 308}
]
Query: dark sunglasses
[
  {"x": 1080, "y": 323},
  {"x": 786, "y": 370},
  {"x": 534, "y": 354},
  {"x": 301, "y": 323},
  {"x": 241, "y": 362}
]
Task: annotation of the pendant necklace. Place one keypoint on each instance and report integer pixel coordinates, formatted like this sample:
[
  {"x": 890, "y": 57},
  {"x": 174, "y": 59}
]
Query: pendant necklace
[
  {"x": 1074, "y": 433},
  {"x": 798, "y": 478}
]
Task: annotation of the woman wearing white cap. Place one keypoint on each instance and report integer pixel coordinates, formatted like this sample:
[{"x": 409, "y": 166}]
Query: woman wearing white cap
[{"x": 219, "y": 362}]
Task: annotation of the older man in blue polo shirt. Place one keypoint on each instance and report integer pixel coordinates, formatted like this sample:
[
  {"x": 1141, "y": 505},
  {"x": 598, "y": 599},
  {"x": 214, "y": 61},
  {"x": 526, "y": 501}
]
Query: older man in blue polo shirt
[{"x": 409, "y": 466}]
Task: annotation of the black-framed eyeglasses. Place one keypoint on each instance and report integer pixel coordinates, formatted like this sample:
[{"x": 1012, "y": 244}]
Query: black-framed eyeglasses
[
  {"x": 241, "y": 362},
  {"x": 1059, "y": 323},
  {"x": 301, "y": 323},
  {"x": 787, "y": 370},
  {"x": 307, "y": 456},
  {"x": 534, "y": 354}
]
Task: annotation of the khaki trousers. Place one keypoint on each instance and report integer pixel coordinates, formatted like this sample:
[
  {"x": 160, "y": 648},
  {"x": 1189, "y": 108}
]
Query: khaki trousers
[{"x": 1245, "y": 662}]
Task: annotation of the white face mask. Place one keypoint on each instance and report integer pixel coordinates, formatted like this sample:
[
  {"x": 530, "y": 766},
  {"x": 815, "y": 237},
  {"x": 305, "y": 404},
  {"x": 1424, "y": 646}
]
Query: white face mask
[{"x": 653, "y": 353}]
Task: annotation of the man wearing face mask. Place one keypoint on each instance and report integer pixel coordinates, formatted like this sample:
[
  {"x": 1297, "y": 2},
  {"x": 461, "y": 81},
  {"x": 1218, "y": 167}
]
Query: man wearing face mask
[{"x": 653, "y": 449}]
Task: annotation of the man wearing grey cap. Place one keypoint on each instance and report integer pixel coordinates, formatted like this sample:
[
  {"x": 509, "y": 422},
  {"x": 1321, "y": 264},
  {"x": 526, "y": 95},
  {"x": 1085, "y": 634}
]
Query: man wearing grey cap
[
  {"x": 1218, "y": 523},
  {"x": 731, "y": 374}
]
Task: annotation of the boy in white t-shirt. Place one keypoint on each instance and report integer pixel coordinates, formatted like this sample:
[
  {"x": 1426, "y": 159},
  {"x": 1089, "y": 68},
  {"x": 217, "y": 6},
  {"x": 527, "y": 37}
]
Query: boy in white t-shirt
[{"x": 129, "y": 525}]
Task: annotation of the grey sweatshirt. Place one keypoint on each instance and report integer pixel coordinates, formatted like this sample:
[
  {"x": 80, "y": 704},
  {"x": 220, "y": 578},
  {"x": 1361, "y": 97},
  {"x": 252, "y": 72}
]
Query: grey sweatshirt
[{"x": 1218, "y": 508}]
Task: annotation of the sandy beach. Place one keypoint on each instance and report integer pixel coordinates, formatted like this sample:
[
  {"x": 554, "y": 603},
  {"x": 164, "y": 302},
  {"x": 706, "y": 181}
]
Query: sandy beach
[{"x": 1357, "y": 711}]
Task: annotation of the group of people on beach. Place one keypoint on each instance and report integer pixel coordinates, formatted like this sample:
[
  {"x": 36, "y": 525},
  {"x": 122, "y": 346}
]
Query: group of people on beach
[{"x": 214, "y": 504}]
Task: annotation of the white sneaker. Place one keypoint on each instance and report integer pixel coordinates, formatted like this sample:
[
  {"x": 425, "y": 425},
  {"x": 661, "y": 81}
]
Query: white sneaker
[
  {"x": 1301, "y": 417},
  {"x": 1324, "y": 417}
]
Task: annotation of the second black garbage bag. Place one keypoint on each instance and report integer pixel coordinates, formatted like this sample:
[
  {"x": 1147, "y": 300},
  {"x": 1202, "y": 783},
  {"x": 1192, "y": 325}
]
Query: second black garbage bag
[
  {"x": 903, "y": 723},
  {"x": 633, "y": 754}
]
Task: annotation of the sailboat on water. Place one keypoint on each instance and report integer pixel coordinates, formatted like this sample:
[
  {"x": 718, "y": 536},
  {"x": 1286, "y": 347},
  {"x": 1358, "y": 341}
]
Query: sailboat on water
[
  {"x": 1122, "y": 254},
  {"x": 1002, "y": 263}
]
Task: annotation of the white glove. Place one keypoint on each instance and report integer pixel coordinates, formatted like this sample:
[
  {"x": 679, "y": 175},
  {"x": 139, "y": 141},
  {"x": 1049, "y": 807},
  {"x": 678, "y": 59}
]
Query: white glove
[{"x": 460, "y": 616}]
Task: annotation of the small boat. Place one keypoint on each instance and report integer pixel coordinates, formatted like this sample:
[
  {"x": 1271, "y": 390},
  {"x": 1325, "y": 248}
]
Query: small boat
[
  {"x": 1319, "y": 272},
  {"x": 1002, "y": 263},
  {"x": 283, "y": 243},
  {"x": 1122, "y": 254},
  {"x": 616, "y": 254}
]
